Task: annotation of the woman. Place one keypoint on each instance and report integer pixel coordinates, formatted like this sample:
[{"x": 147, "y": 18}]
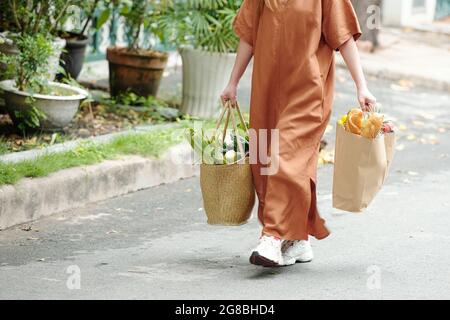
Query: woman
[{"x": 292, "y": 43}]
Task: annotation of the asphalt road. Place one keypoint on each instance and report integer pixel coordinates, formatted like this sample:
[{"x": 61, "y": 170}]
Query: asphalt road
[{"x": 155, "y": 244}]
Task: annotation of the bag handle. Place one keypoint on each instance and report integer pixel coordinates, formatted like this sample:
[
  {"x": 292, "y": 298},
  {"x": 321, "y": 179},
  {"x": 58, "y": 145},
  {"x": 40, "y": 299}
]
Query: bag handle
[{"x": 228, "y": 111}]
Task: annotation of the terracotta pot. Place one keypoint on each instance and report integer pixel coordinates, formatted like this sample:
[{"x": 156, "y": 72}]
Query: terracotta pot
[{"x": 138, "y": 71}]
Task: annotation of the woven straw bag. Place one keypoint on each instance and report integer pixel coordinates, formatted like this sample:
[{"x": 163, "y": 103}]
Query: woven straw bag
[{"x": 227, "y": 190}]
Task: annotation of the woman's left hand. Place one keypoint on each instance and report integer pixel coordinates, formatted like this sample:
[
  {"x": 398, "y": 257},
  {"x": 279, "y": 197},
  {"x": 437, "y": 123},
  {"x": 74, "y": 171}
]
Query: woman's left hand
[{"x": 366, "y": 99}]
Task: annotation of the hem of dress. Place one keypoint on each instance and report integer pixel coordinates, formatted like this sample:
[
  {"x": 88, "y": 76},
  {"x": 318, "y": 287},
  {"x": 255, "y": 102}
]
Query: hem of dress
[{"x": 321, "y": 236}]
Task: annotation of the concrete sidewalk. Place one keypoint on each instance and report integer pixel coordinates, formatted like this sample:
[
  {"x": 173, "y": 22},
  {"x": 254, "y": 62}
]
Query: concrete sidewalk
[
  {"x": 415, "y": 58},
  {"x": 410, "y": 57}
]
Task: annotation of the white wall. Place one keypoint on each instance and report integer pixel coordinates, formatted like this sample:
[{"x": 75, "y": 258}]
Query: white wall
[{"x": 402, "y": 12}]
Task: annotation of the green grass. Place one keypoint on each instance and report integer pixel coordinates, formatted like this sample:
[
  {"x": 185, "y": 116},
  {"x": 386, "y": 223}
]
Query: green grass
[
  {"x": 3, "y": 147},
  {"x": 152, "y": 143}
]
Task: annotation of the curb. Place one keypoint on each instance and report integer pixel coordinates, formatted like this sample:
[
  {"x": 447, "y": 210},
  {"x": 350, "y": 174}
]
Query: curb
[{"x": 31, "y": 199}]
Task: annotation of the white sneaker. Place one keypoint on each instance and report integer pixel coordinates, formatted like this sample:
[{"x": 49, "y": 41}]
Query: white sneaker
[
  {"x": 267, "y": 253},
  {"x": 297, "y": 251}
]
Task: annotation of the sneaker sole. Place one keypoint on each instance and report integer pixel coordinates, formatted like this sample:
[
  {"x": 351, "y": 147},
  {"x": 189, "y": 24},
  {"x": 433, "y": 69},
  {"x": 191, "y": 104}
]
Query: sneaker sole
[
  {"x": 303, "y": 261},
  {"x": 295, "y": 262},
  {"x": 259, "y": 260}
]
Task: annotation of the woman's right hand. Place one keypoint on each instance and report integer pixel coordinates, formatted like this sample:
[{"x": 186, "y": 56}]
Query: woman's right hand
[{"x": 229, "y": 93}]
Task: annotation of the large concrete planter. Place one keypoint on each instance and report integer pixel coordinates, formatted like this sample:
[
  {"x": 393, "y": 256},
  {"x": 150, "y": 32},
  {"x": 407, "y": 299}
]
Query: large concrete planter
[
  {"x": 139, "y": 71},
  {"x": 205, "y": 75},
  {"x": 59, "y": 110}
]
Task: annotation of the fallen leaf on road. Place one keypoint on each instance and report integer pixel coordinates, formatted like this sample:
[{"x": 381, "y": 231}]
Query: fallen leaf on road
[
  {"x": 41, "y": 260},
  {"x": 326, "y": 157},
  {"x": 429, "y": 139},
  {"x": 413, "y": 173},
  {"x": 427, "y": 116},
  {"x": 397, "y": 87},
  {"x": 411, "y": 137},
  {"x": 400, "y": 147},
  {"x": 32, "y": 238},
  {"x": 112, "y": 231},
  {"x": 406, "y": 83},
  {"x": 418, "y": 123},
  {"x": 26, "y": 228},
  {"x": 402, "y": 127},
  {"x": 188, "y": 190}
]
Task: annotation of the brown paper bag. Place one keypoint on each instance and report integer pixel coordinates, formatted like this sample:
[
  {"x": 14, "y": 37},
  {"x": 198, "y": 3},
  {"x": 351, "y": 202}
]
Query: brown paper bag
[{"x": 360, "y": 167}]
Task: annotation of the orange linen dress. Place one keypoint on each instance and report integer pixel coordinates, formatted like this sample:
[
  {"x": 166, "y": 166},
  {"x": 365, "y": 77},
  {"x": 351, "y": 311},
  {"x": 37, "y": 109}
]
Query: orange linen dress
[{"x": 292, "y": 91}]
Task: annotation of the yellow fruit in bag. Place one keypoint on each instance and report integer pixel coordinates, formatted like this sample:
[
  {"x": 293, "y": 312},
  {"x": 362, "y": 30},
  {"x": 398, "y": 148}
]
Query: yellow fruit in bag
[
  {"x": 354, "y": 121},
  {"x": 342, "y": 120}
]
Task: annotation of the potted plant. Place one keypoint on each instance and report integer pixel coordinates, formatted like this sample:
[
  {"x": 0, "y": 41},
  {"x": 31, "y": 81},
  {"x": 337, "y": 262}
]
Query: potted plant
[
  {"x": 77, "y": 40},
  {"x": 137, "y": 68},
  {"x": 31, "y": 100},
  {"x": 202, "y": 30},
  {"x": 32, "y": 17}
]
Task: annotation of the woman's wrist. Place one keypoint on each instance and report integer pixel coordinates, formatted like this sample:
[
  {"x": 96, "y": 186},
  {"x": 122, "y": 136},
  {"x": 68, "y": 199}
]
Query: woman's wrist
[
  {"x": 361, "y": 86},
  {"x": 233, "y": 82}
]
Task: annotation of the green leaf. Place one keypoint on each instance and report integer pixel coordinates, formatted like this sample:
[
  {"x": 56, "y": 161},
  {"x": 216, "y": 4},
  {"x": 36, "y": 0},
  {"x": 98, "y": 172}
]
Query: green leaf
[{"x": 103, "y": 17}]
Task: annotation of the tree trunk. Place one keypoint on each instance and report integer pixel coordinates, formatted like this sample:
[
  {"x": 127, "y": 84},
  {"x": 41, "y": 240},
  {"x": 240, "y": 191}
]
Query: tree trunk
[{"x": 368, "y": 34}]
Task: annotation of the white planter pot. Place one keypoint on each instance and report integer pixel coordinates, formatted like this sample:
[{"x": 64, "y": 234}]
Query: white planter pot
[
  {"x": 53, "y": 61},
  {"x": 205, "y": 75},
  {"x": 59, "y": 110}
]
